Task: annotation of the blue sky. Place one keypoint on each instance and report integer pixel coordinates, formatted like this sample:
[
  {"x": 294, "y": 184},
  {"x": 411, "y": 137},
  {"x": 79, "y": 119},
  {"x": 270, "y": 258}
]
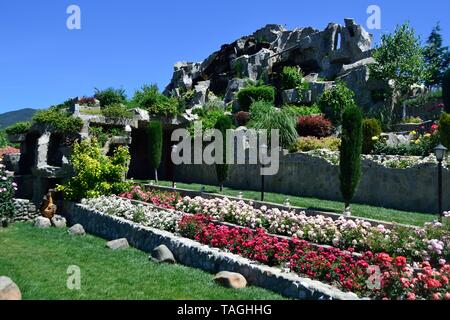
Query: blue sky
[{"x": 129, "y": 43}]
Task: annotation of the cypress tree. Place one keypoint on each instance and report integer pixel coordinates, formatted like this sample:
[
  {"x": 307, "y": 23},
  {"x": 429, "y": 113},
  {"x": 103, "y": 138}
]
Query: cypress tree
[
  {"x": 350, "y": 155},
  {"x": 155, "y": 138},
  {"x": 223, "y": 124},
  {"x": 446, "y": 90}
]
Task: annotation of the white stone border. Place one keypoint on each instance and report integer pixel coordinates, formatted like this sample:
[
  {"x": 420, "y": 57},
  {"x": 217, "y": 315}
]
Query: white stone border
[{"x": 194, "y": 254}]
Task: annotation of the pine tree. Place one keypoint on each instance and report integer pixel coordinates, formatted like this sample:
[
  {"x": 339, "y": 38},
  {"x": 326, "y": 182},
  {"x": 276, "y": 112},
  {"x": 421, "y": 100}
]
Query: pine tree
[{"x": 436, "y": 56}]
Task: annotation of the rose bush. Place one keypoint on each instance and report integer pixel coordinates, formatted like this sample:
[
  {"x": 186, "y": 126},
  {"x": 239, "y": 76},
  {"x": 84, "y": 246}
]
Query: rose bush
[
  {"x": 378, "y": 276},
  {"x": 432, "y": 242},
  {"x": 161, "y": 199},
  {"x": 124, "y": 208}
]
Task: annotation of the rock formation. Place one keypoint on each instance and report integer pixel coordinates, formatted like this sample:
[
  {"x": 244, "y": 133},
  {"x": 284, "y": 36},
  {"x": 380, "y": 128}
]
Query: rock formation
[{"x": 337, "y": 52}]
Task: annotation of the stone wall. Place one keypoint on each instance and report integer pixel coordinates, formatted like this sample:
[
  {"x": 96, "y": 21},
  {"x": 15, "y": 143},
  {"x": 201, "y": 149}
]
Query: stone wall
[
  {"x": 412, "y": 189},
  {"x": 194, "y": 254},
  {"x": 25, "y": 210}
]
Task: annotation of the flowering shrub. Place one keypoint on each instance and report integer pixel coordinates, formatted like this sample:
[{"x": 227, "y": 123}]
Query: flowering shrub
[
  {"x": 377, "y": 276},
  {"x": 432, "y": 242},
  {"x": 7, "y": 188},
  {"x": 95, "y": 173},
  {"x": 145, "y": 215},
  {"x": 315, "y": 126},
  {"x": 162, "y": 199}
]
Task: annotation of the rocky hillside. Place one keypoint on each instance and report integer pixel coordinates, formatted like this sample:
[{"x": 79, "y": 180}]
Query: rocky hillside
[{"x": 339, "y": 52}]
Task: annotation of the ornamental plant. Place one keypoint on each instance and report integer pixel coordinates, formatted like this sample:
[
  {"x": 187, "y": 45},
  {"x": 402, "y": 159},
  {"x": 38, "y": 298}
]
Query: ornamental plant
[
  {"x": 306, "y": 144},
  {"x": 250, "y": 94},
  {"x": 350, "y": 153},
  {"x": 223, "y": 124},
  {"x": 60, "y": 120},
  {"x": 163, "y": 199},
  {"x": 333, "y": 102},
  {"x": 155, "y": 141},
  {"x": 7, "y": 189},
  {"x": 371, "y": 134},
  {"x": 291, "y": 78},
  {"x": 116, "y": 110},
  {"x": 96, "y": 174},
  {"x": 313, "y": 126}
]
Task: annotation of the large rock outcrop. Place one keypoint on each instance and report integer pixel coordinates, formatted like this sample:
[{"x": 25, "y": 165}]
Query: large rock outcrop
[{"x": 337, "y": 52}]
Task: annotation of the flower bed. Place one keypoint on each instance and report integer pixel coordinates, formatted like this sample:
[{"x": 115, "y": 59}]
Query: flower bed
[
  {"x": 161, "y": 199},
  {"x": 378, "y": 276},
  {"x": 432, "y": 242},
  {"x": 145, "y": 215}
]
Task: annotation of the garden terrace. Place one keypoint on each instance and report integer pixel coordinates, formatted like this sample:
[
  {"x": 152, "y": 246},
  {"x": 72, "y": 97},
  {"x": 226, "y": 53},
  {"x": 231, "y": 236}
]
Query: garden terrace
[{"x": 275, "y": 251}]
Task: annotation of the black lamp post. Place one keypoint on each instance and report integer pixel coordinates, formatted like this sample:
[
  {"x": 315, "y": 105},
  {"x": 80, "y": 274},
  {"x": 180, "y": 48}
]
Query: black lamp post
[
  {"x": 440, "y": 152},
  {"x": 174, "y": 151},
  {"x": 263, "y": 161}
]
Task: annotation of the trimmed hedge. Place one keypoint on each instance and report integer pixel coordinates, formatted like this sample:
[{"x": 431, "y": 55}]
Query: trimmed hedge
[{"x": 248, "y": 95}]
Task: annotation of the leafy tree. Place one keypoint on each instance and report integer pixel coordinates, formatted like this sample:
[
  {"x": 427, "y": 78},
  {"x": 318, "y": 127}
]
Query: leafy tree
[
  {"x": 150, "y": 99},
  {"x": 399, "y": 58},
  {"x": 334, "y": 100},
  {"x": 437, "y": 57},
  {"x": 223, "y": 124},
  {"x": 110, "y": 96},
  {"x": 155, "y": 136},
  {"x": 350, "y": 153}
]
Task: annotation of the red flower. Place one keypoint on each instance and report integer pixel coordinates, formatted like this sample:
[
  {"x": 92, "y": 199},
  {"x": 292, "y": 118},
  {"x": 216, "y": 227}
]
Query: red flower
[{"x": 400, "y": 261}]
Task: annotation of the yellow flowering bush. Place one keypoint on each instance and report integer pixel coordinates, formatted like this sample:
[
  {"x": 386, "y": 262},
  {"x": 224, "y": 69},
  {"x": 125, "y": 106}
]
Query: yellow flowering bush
[{"x": 95, "y": 173}]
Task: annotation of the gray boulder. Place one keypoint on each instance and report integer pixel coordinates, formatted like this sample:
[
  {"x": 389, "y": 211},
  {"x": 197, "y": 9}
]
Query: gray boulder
[
  {"x": 59, "y": 222},
  {"x": 162, "y": 254},
  {"x": 77, "y": 230},
  {"x": 234, "y": 85},
  {"x": 118, "y": 244},
  {"x": 9, "y": 290},
  {"x": 42, "y": 223},
  {"x": 231, "y": 280}
]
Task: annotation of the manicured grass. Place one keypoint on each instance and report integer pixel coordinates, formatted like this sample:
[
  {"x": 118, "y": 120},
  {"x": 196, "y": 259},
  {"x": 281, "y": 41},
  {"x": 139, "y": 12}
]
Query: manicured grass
[
  {"x": 37, "y": 260},
  {"x": 359, "y": 210}
]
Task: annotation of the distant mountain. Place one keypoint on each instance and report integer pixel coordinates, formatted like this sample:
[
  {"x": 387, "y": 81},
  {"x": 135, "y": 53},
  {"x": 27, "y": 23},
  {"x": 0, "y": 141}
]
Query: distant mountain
[{"x": 12, "y": 117}]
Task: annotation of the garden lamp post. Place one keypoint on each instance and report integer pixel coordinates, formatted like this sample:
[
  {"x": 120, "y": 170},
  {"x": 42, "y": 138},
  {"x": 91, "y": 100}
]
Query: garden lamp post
[
  {"x": 263, "y": 150},
  {"x": 174, "y": 151},
  {"x": 440, "y": 152}
]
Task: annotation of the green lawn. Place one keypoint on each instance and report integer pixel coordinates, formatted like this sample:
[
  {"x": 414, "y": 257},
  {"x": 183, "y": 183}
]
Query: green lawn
[
  {"x": 37, "y": 260},
  {"x": 359, "y": 210}
]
